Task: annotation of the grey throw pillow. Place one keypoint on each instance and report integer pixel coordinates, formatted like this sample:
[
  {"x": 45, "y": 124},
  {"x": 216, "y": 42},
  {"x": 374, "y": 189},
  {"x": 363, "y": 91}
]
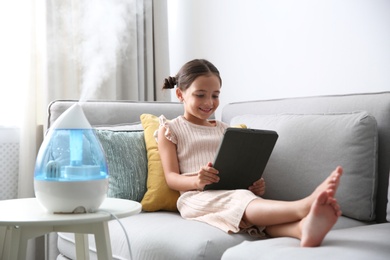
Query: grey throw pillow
[
  {"x": 311, "y": 146},
  {"x": 127, "y": 163}
]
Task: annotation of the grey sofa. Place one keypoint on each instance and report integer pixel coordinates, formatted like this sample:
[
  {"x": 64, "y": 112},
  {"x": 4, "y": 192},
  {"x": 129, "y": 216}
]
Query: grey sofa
[{"x": 315, "y": 135}]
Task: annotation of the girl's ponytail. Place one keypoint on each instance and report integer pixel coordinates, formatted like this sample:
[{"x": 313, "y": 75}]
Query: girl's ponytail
[{"x": 169, "y": 83}]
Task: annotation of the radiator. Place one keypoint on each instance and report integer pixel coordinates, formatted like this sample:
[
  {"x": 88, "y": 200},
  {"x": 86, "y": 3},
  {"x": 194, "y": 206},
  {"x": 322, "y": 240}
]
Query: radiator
[{"x": 9, "y": 162}]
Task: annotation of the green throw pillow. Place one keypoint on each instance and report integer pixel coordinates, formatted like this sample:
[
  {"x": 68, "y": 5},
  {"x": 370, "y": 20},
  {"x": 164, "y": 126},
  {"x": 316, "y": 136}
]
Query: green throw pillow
[{"x": 127, "y": 163}]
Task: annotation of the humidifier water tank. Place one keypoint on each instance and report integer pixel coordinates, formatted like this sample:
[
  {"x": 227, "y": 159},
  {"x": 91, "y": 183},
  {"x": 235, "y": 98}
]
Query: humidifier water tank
[{"x": 71, "y": 173}]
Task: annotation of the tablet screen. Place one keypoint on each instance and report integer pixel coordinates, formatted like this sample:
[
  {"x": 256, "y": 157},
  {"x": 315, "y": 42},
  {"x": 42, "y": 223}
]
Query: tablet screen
[{"x": 242, "y": 157}]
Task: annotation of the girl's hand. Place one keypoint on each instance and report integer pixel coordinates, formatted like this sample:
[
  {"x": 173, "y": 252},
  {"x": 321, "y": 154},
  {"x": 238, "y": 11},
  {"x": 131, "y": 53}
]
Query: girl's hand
[
  {"x": 258, "y": 187},
  {"x": 207, "y": 175}
]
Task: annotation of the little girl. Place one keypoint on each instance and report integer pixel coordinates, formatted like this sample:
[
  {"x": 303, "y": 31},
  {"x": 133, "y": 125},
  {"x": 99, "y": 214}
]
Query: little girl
[{"x": 188, "y": 144}]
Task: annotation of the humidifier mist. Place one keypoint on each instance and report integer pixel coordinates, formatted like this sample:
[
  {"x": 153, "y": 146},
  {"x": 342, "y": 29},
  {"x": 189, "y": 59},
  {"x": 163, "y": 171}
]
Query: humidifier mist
[{"x": 71, "y": 173}]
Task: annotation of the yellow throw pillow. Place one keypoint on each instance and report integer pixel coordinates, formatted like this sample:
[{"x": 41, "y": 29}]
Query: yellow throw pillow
[
  {"x": 240, "y": 126},
  {"x": 158, "y": 195}
]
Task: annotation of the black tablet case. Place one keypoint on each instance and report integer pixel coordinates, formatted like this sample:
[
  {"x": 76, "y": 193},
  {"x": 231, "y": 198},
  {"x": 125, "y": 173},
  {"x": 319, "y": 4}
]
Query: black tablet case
[{"x": 242, "y": 157}]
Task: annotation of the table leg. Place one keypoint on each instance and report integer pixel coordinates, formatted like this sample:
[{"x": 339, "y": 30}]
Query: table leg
[
  {"x": 3, "y": 232},
  {"x": 18, "y": 245},
  {"x": 82, "y": 246},
  {"x": 102, "y": 240},
  {"x": 19, "y": 236}
]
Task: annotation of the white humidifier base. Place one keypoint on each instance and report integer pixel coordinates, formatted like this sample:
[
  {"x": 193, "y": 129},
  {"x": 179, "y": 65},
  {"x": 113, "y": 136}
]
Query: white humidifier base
[{"x": 71, "y": 196}]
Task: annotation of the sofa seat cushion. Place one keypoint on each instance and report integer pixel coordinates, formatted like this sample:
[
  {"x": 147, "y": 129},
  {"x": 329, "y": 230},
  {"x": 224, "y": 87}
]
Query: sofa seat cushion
[
  {"x": 310, "y": 146},
  {"x": 160, "y": 235},
  {"x": 364, "y": 242}
]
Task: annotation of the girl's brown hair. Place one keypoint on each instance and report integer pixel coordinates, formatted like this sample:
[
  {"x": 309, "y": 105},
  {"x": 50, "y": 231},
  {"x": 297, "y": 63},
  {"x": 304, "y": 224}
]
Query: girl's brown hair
[{"x": 189, "y": 72}]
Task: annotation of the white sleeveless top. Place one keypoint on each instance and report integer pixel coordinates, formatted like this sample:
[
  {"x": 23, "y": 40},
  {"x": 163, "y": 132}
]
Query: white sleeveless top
[{"x": 196, "y": 144}]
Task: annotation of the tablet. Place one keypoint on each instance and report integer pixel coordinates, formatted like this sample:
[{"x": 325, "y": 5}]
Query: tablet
[{"x": 242, "y": 157}]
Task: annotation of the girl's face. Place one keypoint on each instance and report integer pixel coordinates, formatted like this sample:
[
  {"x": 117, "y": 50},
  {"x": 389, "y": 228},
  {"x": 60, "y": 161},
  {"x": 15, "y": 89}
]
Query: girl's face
[{"x": 201, "y": 99}]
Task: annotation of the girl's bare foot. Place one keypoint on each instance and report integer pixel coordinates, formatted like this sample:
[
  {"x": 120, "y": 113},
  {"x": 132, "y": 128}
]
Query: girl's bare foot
[
  {"x": 323, "y": 214},
  {"x": 329, "y": 185}
]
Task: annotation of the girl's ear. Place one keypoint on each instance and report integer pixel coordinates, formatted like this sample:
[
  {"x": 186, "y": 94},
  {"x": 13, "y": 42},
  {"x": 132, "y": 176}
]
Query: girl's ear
[{"x": 179, "y": 94}]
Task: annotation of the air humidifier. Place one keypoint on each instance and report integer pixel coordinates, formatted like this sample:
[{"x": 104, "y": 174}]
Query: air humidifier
[{"x": 71, "y": 173}]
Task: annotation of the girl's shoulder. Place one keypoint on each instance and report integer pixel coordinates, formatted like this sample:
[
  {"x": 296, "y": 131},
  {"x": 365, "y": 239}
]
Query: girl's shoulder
[
  {"x": 181, "y": 122},
  {"x": 164, "y": 121},
  {"x": 170, "y": 126},
  {"x": 219, "y": 124}
]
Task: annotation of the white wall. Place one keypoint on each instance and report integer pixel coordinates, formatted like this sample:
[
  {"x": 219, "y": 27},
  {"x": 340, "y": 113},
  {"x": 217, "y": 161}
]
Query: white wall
[{"x": 285, "y": 48}]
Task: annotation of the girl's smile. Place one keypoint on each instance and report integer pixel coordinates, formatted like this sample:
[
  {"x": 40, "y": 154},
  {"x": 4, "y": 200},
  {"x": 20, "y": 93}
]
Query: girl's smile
[{"x": 201, "y": 99}]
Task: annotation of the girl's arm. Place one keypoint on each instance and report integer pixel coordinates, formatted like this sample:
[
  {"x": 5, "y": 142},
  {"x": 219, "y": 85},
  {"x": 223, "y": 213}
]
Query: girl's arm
[{"x": 168, "y": 154}]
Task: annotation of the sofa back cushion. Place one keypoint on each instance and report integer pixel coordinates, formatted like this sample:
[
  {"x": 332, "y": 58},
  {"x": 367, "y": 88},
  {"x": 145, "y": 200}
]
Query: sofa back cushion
[
  {"x": 310, "y": 146},
  {"x": 115, "y": 112},
  {"x": 376, "y": 104},
  {"x": 158, "y": 195},
  {"x": 127, "y": 163}
]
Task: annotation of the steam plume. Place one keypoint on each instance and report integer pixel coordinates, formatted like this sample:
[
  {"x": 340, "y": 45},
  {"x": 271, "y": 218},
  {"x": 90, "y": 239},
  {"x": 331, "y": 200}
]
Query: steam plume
[{"x": 105, "y": 34}]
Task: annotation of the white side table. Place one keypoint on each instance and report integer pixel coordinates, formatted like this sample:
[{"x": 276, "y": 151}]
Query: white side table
[{"x": 22, "y": 219}]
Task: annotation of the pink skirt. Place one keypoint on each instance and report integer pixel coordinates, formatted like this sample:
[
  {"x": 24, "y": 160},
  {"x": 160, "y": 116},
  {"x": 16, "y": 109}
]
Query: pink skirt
[{"x": 223, "y": 209}]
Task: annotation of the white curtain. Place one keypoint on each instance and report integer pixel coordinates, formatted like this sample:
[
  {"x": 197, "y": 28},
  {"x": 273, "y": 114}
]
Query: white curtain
[
  {"x": 98, "y": 49},
  {"x": 76, "y": 49},
  {"x": 84, "y": 50}
]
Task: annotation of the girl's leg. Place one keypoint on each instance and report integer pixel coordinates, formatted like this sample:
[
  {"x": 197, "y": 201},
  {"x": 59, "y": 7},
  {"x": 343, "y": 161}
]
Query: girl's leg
[{"x": 263, "y": 212}]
